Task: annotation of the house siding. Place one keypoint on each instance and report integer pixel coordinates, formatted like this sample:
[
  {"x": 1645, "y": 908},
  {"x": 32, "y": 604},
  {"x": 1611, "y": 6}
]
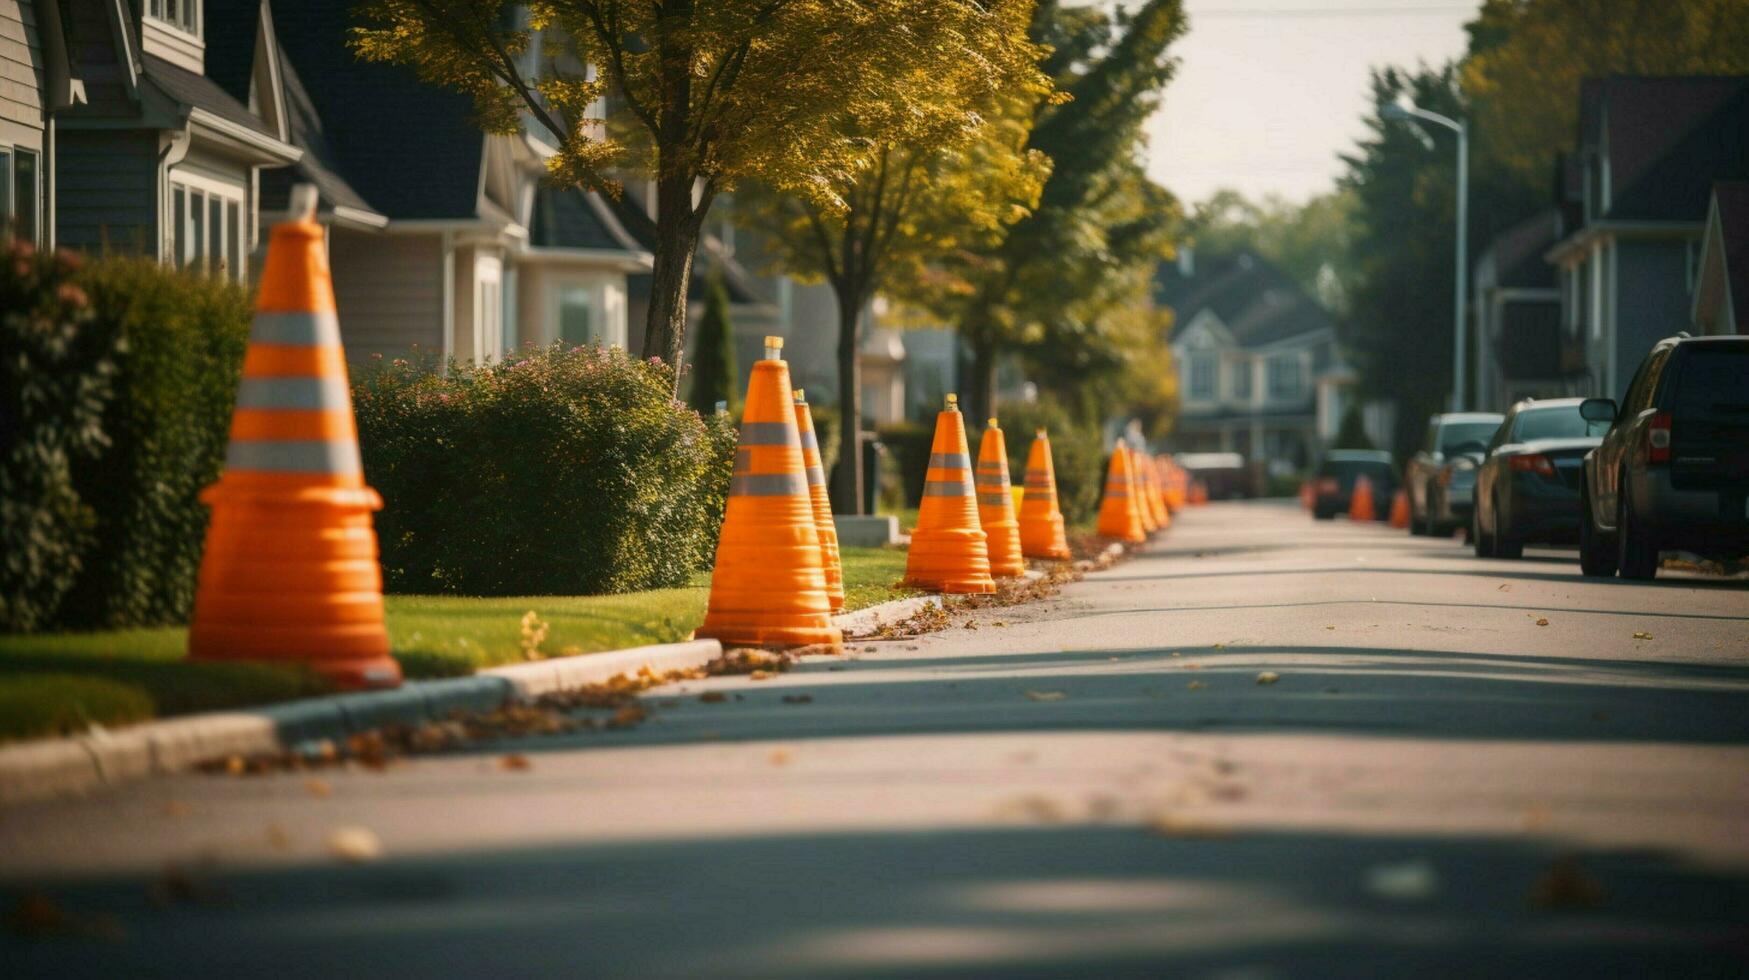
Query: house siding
[
  {"x": 1651, "y": 302},
  {"x": 21, "y": 75},
  {"x": 389, "y": 290},
  {"x": 106, "y": 189}
]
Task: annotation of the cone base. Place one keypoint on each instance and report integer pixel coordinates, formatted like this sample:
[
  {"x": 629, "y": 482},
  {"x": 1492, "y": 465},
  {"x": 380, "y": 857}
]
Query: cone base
[
  {"x": 355, "y": 657},
  {"x": 730, "y": 633},
  {"x": 973, "y": 586}
]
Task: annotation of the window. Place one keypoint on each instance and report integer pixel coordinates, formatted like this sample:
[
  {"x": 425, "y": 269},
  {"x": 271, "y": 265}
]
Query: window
[
  {"x": 181, "y": 14},
  {"x": 206, "y": 226},
  {"x": 1202, "y": 375},
  {"x": 574, "y": 316},
  {"x": 19, "y": 194},
  {"x": 1284, "y": 376},
  {"x": 1241, "y": 375}
]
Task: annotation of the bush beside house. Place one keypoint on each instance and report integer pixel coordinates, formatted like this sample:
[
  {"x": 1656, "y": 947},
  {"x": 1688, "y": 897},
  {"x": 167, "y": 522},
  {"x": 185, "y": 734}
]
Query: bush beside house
[
  {"x": 554, "y": 471},
  {"x": 1077, "y": 454}
]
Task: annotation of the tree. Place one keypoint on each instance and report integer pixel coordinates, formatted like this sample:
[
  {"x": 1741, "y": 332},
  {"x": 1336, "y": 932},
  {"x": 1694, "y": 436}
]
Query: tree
[
  {"x": 1308, "y": 241},
  {"x": 713, "y": 373},
  {"x": 707, "y": 93},
  {"x": 1351, "y": 434},
  {"x": 1099, "y": 223},
  {"x": 955, "y": 189}
]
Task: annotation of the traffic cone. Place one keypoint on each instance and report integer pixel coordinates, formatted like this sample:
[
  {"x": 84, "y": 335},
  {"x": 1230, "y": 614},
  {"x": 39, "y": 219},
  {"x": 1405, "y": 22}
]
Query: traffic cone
[
  {"x": 1360, "y": 506},
  {"x": 1400, "y": 509},
  {"x": 1307, "y": 494},
  {"x": 948, "y": 549},
  {"x": 1199, "y": 493},
  {"x": 1175, "y": 486},
  {"x": 828, "y": 531},
  {"x": 1119, "y": 517},
  {"x": 1156, "y": 500},
  {"x": 1139, "y": 490},
  {"x": 290, "y": 571},
  {"x": 1041, "y": 521},
  {"x": 996, "y": 506},
  {"x": 768, "y": 588}
]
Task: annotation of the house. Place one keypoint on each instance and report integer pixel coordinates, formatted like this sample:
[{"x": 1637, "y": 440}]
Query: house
[
  {"x": 1634, "y": 209},
  {"x": 1260, "y": 370},
  {"x": 1518, "y": 318},
  {"x": 120, "y": 141},
  {"x": 440, "y": 237},
  {"x": 1721, "y": 293}
]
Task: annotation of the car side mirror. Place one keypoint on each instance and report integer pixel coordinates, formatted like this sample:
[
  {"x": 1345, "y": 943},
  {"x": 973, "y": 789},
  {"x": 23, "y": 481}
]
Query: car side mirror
[{"x": 1598, "y": 410}]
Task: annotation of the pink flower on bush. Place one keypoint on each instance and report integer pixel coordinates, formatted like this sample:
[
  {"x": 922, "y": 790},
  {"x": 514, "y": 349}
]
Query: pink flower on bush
[{"x": 72, "y": 295}]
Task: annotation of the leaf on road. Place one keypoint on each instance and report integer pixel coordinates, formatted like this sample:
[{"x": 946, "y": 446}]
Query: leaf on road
[
  {"x": 1642, "y": 636},
  {"x": 779, "y": 757},
  {"x": 713, "y": 697},
  {"x": 1195, "y": 686},
  {"x": 177, "y": 808},
  {"x": 1566, "y": 885},
  {"x": 514, "y": 762},
  {"x": 798, "y": 699},
  {"x": 1268, "y": 677},
  {"x": 1179, "y": 825},
  {"x": 355, "y": 845},
  {"x": 1410, "y": 881},
  {"x": 1542, "y": 622},
  {"x": 1329, "y": 627},
  {"x": 318, "y": 788},
  {"x": 1045, "y": 695},
  {"x": 1504, "y": 587}
]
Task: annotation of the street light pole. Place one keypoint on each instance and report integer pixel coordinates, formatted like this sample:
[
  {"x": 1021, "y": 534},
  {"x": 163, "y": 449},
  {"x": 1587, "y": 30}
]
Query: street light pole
[{"x": 1460, "y": 329}]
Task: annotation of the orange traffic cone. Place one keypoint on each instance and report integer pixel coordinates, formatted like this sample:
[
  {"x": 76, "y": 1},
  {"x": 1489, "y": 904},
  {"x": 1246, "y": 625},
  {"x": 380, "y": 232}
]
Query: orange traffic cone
[
  {"x": 1119, "y": 517},
  {"x": 1400, "y": 509},
  {"x": 996, "y": 506},
  {"x": 1199, "y": 493},
  {"x": 769, "y": 584},
  {"x": 1156, "y": 499},
  {"x": 1041, "y": 521},
  {"x": 827, "y": 530},
  {"x": 1307, "y": 494},
  {"x": 1139, "y": 490},
  {"x": 290, "y": 570},
  {"x": 1176, "y": 479},
  {"x": 1360, "y": 507},
  {"x": 948, "y": 549}
]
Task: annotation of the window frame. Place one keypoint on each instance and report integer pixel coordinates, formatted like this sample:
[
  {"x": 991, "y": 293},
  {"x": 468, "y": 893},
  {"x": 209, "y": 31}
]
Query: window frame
[
  {"x": 9, "y": 158},
  {"x": 215, "y": 248},
  {"x": 191, "y": 20},
  {"x": 1203, "y": 362},
  {"x": 1277, "y": 391}
]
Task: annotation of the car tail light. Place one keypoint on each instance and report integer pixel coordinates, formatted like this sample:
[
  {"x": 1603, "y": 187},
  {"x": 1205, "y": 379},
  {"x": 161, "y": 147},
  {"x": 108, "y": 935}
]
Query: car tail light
[
  {"x": 1532, "y": 463},
  {"x": 1658, "y": 438},
  {"x": 1329, "y": 484}
]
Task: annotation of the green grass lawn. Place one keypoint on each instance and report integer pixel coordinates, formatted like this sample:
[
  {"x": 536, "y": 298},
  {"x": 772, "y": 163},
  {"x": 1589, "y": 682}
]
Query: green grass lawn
[{"x": 66, "y": 682}]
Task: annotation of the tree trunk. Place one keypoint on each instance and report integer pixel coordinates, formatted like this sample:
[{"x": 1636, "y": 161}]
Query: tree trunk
[
  {"x": 847, "y": 476},
  {"x": 982, "y": 379},
  {"x": 677, "y": 231}
]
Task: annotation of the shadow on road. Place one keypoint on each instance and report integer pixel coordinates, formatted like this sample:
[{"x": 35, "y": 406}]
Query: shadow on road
[{"x": 1042, "y": 901}]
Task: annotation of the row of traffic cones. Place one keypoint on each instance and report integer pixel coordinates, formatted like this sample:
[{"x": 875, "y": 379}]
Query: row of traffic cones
[{"x": 290, "y": 572}]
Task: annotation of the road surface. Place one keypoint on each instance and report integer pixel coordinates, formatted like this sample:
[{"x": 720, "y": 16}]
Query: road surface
[{"x": 1265, "y": 747}]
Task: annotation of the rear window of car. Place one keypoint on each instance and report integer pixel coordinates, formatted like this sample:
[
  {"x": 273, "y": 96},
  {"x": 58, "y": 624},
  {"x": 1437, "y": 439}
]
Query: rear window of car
[
  {"x": 1711, "y": 380},
  {"x": 1555, "y": 423},
  {"x": 1456, "y": 434},
  {"x": 1349, "y": 467}
]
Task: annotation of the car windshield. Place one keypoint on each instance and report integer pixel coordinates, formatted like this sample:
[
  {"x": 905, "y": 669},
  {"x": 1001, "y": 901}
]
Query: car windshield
[
  {"x": 1564, "y": 422},
  {"x": 1457, "y": 433},
  {"x": 1714, "y": 381}
]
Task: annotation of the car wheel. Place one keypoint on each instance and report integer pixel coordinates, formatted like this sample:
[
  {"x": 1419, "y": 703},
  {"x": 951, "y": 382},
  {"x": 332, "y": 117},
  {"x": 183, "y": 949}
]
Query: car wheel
[
  {"x": 1506, "y": 544},
  {"x": 1483, "y": 543},
  {"x": 1596, "y": 557},
  {"x": 1636, "y": 555},
  {"x": 1418, "y": 523}
]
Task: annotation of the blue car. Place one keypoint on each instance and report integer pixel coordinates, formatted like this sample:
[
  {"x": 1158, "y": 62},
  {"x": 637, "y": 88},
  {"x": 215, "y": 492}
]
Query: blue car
[{"x": 1529, "y": 483}]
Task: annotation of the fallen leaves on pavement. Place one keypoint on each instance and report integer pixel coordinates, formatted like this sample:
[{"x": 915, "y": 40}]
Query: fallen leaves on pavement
[
  {"x": 1045, "y": 695},
  {"x": 1268, "y": 677},
  {"x": 1642, "y": 636},
  {"x": 1542, "y": 622},
  {"x": 355, "y": 845},
  {"x": 514, "y": 762}
]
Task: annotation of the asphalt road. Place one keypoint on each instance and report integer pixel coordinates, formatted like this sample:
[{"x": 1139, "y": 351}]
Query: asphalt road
[{"x": 1460, "y": 768}]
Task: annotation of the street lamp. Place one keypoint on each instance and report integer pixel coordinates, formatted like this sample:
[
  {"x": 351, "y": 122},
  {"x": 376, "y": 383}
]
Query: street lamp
[{"x": 1408, "y": 113}]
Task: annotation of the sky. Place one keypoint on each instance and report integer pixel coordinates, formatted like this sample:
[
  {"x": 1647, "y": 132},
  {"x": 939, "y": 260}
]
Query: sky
[{"x": 1269, "y": 92}]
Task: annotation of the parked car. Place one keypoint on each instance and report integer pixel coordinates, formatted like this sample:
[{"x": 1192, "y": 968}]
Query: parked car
[
  {"x": 1222, "y": 473},
  {"x": 1444, "y": 434},
  {"x": 1333, "y": 484},
  {"x": 1672, "y": 474},
  {"x": 1527, "y": 488},
  {"x": 1451, "y": 495}
]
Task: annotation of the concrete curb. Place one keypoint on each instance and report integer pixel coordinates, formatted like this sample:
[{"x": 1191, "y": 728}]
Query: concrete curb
[
  {"x": 79, "y": 764},
  {"x": 867, "y": 620}
]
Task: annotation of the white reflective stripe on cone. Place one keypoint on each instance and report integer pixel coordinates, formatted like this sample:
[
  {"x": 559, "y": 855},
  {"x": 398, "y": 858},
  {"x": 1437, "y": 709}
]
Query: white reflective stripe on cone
[
  {"x": 296, "y": 329},
  {"x": 303, "y": 394},
  {"x": 294, "y": 456}
]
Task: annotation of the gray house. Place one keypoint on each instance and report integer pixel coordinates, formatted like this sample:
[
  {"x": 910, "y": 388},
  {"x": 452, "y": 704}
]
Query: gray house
[
  {"x": 1259, "y": 369},
  {"x": 1518, "y": 318},
  {"x": 1635, "y": 202}
]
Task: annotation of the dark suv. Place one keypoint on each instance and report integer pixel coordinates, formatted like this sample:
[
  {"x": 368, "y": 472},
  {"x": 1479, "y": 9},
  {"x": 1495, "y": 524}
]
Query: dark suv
[{"x": 1673, "y": 470}]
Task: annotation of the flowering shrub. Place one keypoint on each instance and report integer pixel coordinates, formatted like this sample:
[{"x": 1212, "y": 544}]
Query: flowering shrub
[{"x": 554, "y": 471}]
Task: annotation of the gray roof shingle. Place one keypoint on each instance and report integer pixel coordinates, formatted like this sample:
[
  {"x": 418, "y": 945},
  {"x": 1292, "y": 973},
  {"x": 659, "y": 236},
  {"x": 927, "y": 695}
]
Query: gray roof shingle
[{"x": 1258, "y": 303}]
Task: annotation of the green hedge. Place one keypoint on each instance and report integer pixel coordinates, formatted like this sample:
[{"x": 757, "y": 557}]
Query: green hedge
[
  {"x": 553, "y": 472},
  {"x": 57, "y": 371},
  {"x": 168, "y": 427},
  {"x": 908, "y": 446}
]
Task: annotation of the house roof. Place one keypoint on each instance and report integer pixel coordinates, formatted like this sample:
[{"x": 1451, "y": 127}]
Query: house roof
[
  {"x": 1258, "y": 302},
  {"x": 568, "y": 217},
  {"x": 1518, "y": 253},
  {"x": 1666, "y": 139},
  {"x": 199, "y": 92},
  {"x": 375, "y": 136},
  {"x": 1733, "y": 204}
]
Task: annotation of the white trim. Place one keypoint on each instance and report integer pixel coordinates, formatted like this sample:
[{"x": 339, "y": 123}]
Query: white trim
[
  {"x": 448, "y": 298},
  {"x": 278, "y": 149},
  {"x": 609, "y": 258},
  {"x": 357, "y": 216},
  {"x": 121, "y": 33},
  {"x": 268, "y": 41}
]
